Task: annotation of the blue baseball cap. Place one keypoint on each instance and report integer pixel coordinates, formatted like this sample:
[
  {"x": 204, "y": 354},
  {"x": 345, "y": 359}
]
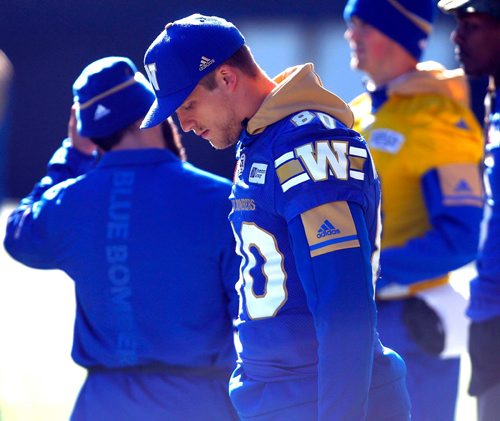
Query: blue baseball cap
[
  {"x": 109, "y": 95},
  {"x": 408, "y": 22},
  {"x": 184, "y": 52}
]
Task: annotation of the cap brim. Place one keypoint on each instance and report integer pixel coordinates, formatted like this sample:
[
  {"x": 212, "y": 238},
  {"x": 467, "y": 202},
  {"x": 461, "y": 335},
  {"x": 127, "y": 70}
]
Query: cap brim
[
  {"x": 451, "y": 6},
  {"x": 164, "y": 107}
]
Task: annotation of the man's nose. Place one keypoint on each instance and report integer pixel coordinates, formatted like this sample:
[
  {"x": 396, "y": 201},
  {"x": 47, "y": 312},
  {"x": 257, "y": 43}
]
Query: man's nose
[{"x": 187, "y": 123}]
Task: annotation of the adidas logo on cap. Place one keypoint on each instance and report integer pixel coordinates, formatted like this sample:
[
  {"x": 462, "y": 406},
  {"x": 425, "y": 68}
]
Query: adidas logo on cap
[
  {"x": 205, "y": 62},
  {"x": 100, "y": 112}
]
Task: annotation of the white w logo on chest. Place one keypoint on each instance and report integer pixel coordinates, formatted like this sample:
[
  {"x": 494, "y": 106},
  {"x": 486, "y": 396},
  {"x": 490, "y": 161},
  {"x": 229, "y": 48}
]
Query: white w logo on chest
[
  {"x": 319, "y": 160},
  {"x": 325, "y": 156}
]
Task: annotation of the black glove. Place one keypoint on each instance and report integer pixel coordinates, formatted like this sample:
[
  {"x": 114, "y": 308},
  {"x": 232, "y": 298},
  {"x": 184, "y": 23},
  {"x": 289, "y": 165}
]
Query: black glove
[{"x": 424, "y": 325}]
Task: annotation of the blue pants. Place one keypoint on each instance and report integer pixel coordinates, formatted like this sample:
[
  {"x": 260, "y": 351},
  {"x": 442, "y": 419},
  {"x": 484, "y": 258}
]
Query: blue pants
[
  {"x": 432, "y": 382},
  {"x": 387, "y": 401},
  {"x": 153, "y": 397},
  {"x": 484, "y": 350},
  {"x": 309, "y": 411},
  {"x": 488, "y": 404}
]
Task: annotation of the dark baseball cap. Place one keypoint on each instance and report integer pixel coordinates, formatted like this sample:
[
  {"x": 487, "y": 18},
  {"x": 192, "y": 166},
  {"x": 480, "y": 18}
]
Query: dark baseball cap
[
  {"x": 489, "y": 7},
  {"x": 181, "y": 55}
]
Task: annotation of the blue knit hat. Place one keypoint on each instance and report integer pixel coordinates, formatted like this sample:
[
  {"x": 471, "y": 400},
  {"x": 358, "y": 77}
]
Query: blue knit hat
[
  {"x": 181, "y": 55},
  {"x": 110, "y": 95},
  {"x": 408, "y": 22}
]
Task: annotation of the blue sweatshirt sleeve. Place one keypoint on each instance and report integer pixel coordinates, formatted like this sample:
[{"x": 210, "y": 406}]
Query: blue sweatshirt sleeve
[
  {"x": 67, "y": 162},
  {"x": 26, "y": 234},
  {"x": 339, "y": 290},
  {"x": 451, "y": 242}
]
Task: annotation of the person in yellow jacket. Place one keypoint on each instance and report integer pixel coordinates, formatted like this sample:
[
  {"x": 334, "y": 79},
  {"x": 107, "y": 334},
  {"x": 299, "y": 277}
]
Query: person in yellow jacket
[{"x": 427, "y": 148}]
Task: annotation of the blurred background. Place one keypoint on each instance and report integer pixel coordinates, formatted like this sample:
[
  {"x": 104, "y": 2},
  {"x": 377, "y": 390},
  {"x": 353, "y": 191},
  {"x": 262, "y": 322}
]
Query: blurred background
[{"x": 48, "y": 43}]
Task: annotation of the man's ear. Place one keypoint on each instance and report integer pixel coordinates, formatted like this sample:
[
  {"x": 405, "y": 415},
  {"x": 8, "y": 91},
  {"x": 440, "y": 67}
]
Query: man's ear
[{"x": 227, "y": 77}]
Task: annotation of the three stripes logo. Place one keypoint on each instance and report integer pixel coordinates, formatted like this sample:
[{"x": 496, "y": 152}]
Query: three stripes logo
[
  {"x": 326, "y": 229},
  {"x": 205, "y": 62},
  {"x": 462, "y": 124},
  {"x": 100, "y": 112},
  {"x": 462, "y": 187}
]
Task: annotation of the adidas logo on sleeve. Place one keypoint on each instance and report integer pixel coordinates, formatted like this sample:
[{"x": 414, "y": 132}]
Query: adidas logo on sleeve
[
  {"x": 326, "y": 229},
  {"x": 463, "y": 187}
]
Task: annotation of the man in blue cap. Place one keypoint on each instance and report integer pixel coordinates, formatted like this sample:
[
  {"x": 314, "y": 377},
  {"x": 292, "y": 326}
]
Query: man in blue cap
[
  {"x": 477, "y": 39},
  {"x": 305, "y": 214},
  {"x": 145, "y": 237},
  {"x": 427, "y": 147}
]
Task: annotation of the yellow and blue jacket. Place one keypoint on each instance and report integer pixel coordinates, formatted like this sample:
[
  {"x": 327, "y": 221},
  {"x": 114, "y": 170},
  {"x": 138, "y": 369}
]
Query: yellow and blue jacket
[{"x": 427, "y": 147}]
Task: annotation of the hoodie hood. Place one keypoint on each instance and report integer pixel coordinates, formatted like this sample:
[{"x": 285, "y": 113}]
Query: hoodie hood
[
  {"x": 299, "y": 88},
  {"x": 432, "y": 78}
]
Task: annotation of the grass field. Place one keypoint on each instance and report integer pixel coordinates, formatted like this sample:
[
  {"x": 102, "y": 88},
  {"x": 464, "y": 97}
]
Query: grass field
[{"x": 38, "y": 380}]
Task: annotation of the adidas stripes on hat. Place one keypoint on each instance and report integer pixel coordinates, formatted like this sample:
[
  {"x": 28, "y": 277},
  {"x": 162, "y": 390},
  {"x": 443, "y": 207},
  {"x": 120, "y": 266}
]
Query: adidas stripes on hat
[
  {"x": 181, "y": 55},
  {"x": 110, "y": 95}
]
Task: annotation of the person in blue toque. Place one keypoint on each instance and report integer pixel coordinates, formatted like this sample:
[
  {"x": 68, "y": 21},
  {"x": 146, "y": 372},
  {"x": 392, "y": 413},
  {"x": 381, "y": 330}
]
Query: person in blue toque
[
  {"x": 145, "y": 238},
  {"x": 477, "y": 41},
  {"x": 427, "y": 147},
  {"x": 306, "y": 218}
]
